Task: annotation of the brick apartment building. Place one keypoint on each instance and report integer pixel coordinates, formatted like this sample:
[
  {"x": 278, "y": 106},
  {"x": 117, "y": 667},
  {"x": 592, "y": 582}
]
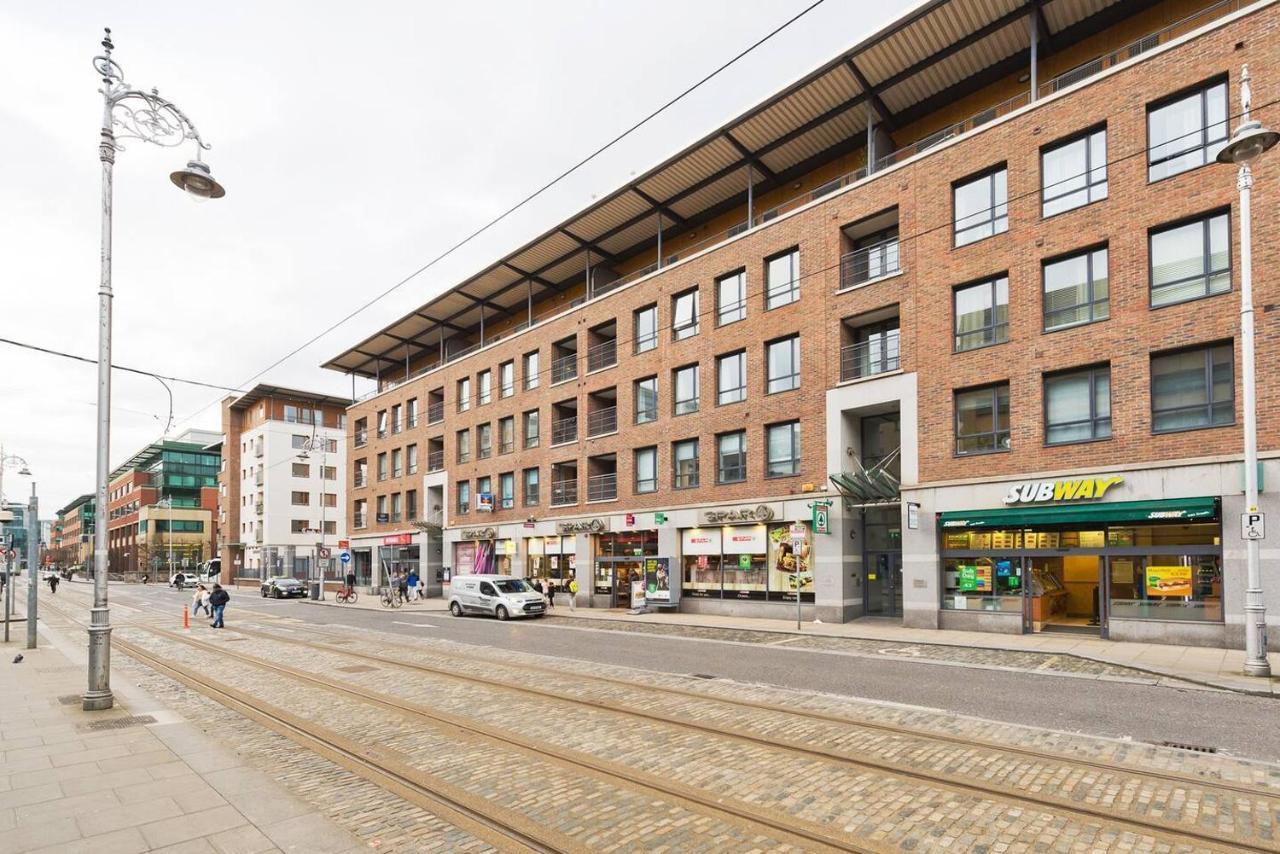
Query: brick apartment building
[
  {"x": 72, "y": 541},
  {"x": 282, "y": 487},
  {"x": 973, "y": 281},
  {"x": 162, "y": 503}
]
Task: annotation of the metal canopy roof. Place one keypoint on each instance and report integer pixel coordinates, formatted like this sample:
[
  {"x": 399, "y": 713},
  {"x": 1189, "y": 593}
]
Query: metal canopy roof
[
  {"x": 263, "y": 391},
  {"x": 939, "y": 52}
]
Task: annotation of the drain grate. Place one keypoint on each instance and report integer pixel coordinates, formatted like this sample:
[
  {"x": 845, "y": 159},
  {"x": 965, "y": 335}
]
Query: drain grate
[
  {"x": 1194, "y": 748},
  {"x": 704, "y": 676},
  {"x": 121, "y": 723},
  {"x": 69, "y": 699},
  {"x": 357, "y": 668}
]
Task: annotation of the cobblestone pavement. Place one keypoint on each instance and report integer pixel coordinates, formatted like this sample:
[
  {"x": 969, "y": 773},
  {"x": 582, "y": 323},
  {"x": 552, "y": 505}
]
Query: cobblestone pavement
[
  {"x": 812, "y": 790},
  {"x": 1046, "y": 662}
]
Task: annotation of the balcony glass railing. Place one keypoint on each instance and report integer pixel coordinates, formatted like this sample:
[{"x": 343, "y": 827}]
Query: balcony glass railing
[
  {"x": 602, "y": 421},
  {"x": 435, "y": 460},
  {"x": 870, "y": 262},
  {"x": 564, "y": 430},
  {"x": 564, "y": 492},
  {"x": 870, "y": 357},
  {"x": 602, "y": 487},
  {"x": 564, "y": 368},
  {"x": 602, "y": 355}
]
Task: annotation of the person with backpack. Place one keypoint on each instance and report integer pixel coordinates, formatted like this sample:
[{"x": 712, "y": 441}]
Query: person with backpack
[
  {"x": 573, "y": 593},
  {"x": 218, "y": 599},
  {"x": 411, "y": 585}
]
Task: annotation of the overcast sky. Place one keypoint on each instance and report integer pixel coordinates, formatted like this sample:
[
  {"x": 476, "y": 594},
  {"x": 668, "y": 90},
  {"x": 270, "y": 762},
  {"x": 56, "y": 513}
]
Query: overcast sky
[{"x": 356, "y": 141}]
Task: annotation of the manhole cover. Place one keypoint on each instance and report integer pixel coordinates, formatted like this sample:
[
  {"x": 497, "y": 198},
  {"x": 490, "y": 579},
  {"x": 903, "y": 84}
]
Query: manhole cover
[
  {"x": 121, "y": 723},
  {"x": 1194, "y": 748},
  {"x": 357, "y": 668},
  {"x": 69, "y": 699}
]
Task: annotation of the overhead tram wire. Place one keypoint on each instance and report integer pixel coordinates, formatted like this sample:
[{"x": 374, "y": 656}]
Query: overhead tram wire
[
  {"x": 709, "y": 312},
  {"x": 161, "y": 377},
  {"x": 531, "y": 196}
]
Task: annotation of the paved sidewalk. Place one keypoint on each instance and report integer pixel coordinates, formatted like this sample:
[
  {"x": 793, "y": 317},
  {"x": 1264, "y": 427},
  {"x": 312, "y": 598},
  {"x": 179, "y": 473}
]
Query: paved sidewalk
[
  {"x": 109, "y": 783},
  {"x": 1210, "y": 666}
]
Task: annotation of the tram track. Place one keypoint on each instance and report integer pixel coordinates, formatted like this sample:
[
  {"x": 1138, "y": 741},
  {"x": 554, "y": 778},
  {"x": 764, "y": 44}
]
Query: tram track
[{"x": 1163, "y": 831}]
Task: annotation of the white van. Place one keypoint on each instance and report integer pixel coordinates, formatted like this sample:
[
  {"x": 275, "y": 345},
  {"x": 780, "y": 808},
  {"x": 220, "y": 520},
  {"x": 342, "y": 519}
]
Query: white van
[{"x": 503, "y": 596}]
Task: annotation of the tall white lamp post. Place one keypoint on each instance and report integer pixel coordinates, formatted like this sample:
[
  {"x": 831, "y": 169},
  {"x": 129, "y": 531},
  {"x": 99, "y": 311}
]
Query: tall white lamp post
[
  {"x": 1248, "y": 143},
  {"x": 148, "y": 117}
]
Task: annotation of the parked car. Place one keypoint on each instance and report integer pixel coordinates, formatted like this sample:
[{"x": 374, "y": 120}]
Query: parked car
[
  {"x": 283, "y": 587},
  {"x": 502, "y": 596}
]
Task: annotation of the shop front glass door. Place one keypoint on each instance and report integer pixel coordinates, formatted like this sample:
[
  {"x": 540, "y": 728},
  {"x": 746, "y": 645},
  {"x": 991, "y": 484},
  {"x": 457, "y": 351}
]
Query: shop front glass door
[{"x": 883, "y": 595}]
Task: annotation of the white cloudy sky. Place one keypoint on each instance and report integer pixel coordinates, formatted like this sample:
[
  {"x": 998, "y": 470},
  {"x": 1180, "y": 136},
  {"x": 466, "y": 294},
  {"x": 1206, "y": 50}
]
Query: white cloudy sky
[{"x": 356, "y": 141}]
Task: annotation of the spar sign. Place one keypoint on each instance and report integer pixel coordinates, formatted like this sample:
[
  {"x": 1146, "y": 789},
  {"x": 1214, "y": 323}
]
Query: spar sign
[{"x": 1048, "y": 491}]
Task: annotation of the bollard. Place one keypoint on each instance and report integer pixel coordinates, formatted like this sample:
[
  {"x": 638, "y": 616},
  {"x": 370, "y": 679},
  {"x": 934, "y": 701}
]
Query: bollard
[{"x": 186, "y": 617}]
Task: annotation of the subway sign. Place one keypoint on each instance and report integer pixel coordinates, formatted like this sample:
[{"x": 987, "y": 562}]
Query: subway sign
[{"x": 1050, "y": 491}]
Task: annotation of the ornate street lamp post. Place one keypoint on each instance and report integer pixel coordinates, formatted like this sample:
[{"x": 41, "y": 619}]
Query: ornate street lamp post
[
  {"x": 148, "y": 117},
  {"x": 1249, "y": 141}
]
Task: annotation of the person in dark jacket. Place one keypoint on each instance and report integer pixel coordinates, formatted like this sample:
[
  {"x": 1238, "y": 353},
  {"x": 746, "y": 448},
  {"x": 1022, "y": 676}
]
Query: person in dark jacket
[{"x": 218, "y": 599}]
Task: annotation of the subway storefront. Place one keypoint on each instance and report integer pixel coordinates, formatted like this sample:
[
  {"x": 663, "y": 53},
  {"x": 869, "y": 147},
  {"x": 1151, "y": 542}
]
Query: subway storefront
[{"x": 1083, "y": 567}]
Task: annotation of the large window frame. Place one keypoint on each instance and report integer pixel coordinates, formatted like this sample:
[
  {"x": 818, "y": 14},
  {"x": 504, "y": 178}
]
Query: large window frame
[
  {"x": 529, "y": 365},
  {"x": 646, "y": 408},
  {"x": 530, "y": 486},
  {"x": 644, "y": 328},
  {"x": 645, "y": 482},
  {"x": 991, "y": 217},
  {"x": 787, "y": 378},
  {"x": 1095, "y": 258},
  {"x": 684, "y": 314},
  {"x": 691, "y": 402},
  {"x": 731, "y": 297},
  {"x": 782, "y": 278},
  {"x": 1214, "y": 233},
  {"x": 688, "y": 476},
  {"x": 1074, "y": 186},
  {"x": 998, "y": 398},
  {"x": 731, "y": 457},
  {"x": 1098, "y": 419},
  {"x": 995, "y": 326},
  {"x": 531, "y": 419},
  {"x": 1185, "y": 150},
  {"x": 731, "y": 378},
  {"x": 782, "y": 466},
  {"x": 1213, "y": 407}
]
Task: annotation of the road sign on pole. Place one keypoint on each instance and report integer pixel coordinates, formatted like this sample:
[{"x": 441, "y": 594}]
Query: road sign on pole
[
  {"x": 345, "y": 557},
  {"x": 1253, "y": 526}
]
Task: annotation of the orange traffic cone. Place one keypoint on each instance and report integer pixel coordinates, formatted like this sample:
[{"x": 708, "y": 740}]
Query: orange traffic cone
[{"x": 186, "y": 617}]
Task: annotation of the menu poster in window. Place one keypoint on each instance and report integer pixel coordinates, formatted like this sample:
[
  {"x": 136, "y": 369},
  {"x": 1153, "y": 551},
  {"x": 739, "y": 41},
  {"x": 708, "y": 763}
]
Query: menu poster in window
[
  {"x": 976, "y": 579},
  {"x": 657, "y": 576},
  {"x": 1008, "y": 579},
  {"x": 637, "y": 592},
  {"x": 1168, "y": 581}
]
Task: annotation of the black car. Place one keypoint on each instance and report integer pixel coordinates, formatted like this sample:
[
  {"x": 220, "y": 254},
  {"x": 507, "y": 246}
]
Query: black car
[{"x": 283, "y": 587}]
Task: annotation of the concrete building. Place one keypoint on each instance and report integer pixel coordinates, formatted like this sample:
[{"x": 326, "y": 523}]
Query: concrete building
[
  {"x": 281, "y": 489},
  {"x": 973, "y": 281},
  {"x": 72, "y": 541},
  {"x": 162, "y": 506}
]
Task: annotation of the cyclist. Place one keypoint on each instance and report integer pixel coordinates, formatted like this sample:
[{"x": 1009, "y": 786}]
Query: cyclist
[{"x": 351, "y": 580}]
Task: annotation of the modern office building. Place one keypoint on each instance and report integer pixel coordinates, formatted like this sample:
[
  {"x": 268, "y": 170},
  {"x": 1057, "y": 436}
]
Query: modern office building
[
  {"x": 72, "y": 541},
  {"x": 162, "y": 506},
  {"x": 974, "y": 281},
  {"x": 281, "y": 491}
]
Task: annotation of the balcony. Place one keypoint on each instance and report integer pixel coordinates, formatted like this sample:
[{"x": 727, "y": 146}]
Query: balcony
[
  {"x": 564, "y": 368},
  {"x": 602, "y": 421},
  {"x": 362, "y": 438},
  {"x": 435, "y": 412},
  {"x": 564, "y": 492},
  {"x": 871, "y": 345},
  {"x": 361, "y": 480},
  {"x": 564, "y": 430},
  {"x": 435, "y": 460},
  {"x": 257, "y": 509},
  {"x": 602, "y": 487},
  {"x": 868, "y": 263},
  {"x": 602, "y": 347}
]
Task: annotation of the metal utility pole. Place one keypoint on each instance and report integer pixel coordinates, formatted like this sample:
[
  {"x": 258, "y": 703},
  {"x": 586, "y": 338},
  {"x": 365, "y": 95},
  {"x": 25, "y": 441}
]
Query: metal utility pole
[
  {"x": 148, "y": 117},
  {"x": 33, "y": 562}
]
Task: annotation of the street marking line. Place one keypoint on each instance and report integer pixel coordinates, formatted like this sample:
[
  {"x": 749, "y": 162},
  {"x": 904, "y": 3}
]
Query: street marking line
[{"x": 419, "y": 625}]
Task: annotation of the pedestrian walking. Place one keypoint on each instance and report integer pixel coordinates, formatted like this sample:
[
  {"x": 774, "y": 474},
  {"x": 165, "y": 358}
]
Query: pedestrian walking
[
  {"x": 402, "y": 586},
  {"x": 200, "y": 600},
  {"x": 218, "y": 599},
  {"x": 53, "y": 584},
  {"x": 411, "y": 584},
  {"x": 551, "y": 594},
  {"x": 573, "y": 593}
]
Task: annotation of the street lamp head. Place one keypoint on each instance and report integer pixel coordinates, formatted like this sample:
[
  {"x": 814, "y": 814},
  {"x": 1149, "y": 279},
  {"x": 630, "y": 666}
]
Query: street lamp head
[
  {"x": 198, "y": 181},
  {"x": 24, "y": 472},
  {"x": 1247, "y": 144}
]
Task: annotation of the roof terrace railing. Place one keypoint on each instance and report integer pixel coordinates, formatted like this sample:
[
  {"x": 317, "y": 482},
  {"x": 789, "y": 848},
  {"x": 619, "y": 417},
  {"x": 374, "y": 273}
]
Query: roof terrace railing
[{"x": 1075, "y": 75}]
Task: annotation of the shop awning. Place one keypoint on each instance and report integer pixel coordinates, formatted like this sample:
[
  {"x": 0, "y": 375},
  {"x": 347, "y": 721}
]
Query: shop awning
[{"x": 1179, "y": 509}]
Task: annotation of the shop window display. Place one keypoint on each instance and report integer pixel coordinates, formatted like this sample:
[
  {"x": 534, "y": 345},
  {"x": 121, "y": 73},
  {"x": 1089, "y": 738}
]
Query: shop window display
[{"x": 752, "y": 562}]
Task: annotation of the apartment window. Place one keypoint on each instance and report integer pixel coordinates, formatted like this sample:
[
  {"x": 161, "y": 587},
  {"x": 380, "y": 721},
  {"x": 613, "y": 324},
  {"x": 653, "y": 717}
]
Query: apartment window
[
  {"x": 1076, "y": 289},
  {"x": 530, "y": 370},
  {"x": 382, "y": 423},
  {"x": 731, "y": 298},
  {"x": 506, "y": 379},
  {"x": 411, "y": 505},
  {"x": 395, "y": 507},
  {"x": 646, "y": 466},
  {"x": 464, "y": 394},
  {"x": 299, "y": 526},
  {"x": 382, "y": 466},
  {"x": 329, "y": 472},
  {"x": 299, "y": 415},
  {"x": 464, "y": 446},
  {"x": 411, "y": 459},
  {"x": 397, "y": 457},
  {"x": 301, "y": 470},
  {"x": 1191, "y": 260},
  {"x": 782, "y": 279},
  {"x": 731, "y": 457},
  {"x": 782, "y": 363},
  {"x": 396, "y": 423},
  {"x": 731, "y": 377},
  {"x": 484, "y": 486},
  {"x": 531, "y": 487},
  {"x": 300, "y": 499},
  {"x": 1185, "y": 131},
  {"x": 507, "y": 435},
  {"x": 981, "y": 206},
  {"x": 684, "y": 456},
  {"x": 299, "y": 443},
  {"x": 484, "y": 387},
  {"x": 484, "y": 441},
  {"x": 1073, "y": 173},
  {"x": 982, "y": 420},
  {"x": 646, "y": 394},
  {"x": 782, "y": 449},
  {"x": 1193, "y": 388},
  {"x": 1077, "y": 406},
  {"x": 507, "y": 490},
  {"x": 684, "y": 313},
  {"x": 645, "y": 331},
  {"x": 531, "y": 437},
  {"x": 982, "y": 314},
  {"x": 686, "y": 386},
  {"x": 330, "y": 499},
  {"x": 464, "y": 497},
  {"x": 411, "y": 413}
]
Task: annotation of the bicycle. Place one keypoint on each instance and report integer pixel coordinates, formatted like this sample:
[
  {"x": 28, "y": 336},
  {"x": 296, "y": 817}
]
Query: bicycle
[
  {"x": 346, "y": 596},
  {"x": 390, "y": 598}
]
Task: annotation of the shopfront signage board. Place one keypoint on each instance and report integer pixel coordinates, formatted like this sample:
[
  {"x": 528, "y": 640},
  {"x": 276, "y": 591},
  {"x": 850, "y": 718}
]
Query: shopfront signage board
[
  {"x": 398, "y": 540},
  {"x": 631, "y": 520},
  {"x": 659, "y": 518},
  {"x": 759, "y": 513},
  {"x": 1253, "y": 526},
  {"x": 1056, "y": 491},
  {"x": 1168, "y": 581},
  {"x": 821, "y": 520},
  {"x": 913, "y": 515},
  {"x": 583, "y": 526},
  {"x": 479, "y": 533},
  {"x": 344, "y": 544},
  {"x": 383, "y": 518}
]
